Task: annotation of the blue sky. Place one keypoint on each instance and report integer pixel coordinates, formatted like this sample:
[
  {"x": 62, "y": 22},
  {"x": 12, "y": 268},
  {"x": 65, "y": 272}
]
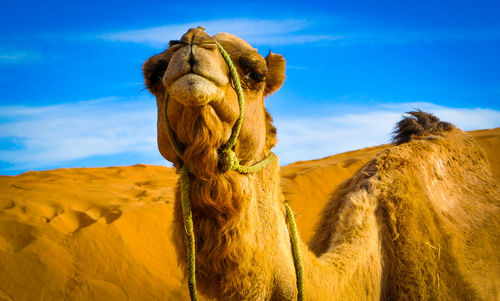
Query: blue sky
[{"x": 71, "y": 90}]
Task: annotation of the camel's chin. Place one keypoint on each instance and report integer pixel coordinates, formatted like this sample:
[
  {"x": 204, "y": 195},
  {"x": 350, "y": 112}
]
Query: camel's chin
[{"x": 194, "y": 90}]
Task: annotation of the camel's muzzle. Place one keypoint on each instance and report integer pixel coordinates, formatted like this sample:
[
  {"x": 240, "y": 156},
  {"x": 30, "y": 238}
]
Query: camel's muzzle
[{"x": 196, "y": 73}]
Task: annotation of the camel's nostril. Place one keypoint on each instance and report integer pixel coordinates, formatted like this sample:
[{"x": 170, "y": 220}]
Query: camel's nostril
[{"x": 192, "y": 60}]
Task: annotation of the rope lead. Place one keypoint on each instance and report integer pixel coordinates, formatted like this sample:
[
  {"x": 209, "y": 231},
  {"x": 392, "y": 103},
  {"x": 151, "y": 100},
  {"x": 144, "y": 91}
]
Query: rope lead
[
  {"x": 188, "y": 226},
  {"x": 297, "y": 256}
]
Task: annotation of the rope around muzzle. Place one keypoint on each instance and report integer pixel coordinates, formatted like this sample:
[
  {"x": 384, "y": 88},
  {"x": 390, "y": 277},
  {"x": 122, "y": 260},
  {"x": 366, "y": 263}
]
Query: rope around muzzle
[{"x": 227, "y": 161}]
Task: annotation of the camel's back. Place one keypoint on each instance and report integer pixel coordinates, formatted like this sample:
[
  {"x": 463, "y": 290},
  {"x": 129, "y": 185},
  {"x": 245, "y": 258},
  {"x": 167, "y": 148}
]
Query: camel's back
[{"x": 439, "y": 218}]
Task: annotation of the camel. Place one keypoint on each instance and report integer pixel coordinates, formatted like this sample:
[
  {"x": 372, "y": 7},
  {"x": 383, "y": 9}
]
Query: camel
[{"x": 420, "y": 221}]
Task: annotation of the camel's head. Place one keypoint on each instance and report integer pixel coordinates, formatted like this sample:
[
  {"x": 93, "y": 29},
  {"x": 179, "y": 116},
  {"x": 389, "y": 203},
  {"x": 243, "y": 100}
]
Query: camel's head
[{"x": 203, "y": 104}]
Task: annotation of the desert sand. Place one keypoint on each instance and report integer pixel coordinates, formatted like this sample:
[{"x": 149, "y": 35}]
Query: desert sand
[{"x": 103, "y": 233}]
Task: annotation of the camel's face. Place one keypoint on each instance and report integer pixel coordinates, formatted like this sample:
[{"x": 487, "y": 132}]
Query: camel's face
[
  {"x": 203, "y": 105},
  {"x": 196, "y": 73}
]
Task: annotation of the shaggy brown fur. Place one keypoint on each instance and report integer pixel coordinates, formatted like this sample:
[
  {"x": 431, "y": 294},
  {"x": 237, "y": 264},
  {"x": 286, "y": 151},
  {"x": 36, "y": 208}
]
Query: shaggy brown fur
[
  {"x": 418, "y": 124},
  {"x": 421, "y": 221},
  {"x": 438, "y": 216}
]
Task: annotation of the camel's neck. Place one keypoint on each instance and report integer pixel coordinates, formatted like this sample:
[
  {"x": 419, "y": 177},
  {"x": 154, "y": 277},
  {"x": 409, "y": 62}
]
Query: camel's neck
[
  {"x": 243, "y": 249},
  {"x": 239, "y": 226}
]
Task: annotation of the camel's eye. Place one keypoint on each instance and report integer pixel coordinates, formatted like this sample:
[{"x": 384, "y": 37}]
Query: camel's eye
[
  {"x": 252, "y": 70},
  {"x": 258, "y": 77},
  {"x": 175, "y": 45}
]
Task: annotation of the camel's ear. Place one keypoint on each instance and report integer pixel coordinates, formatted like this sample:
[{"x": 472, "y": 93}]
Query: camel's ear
[
  {"x": 153, "y": 70},
  {"x": 275, "y": 72}
]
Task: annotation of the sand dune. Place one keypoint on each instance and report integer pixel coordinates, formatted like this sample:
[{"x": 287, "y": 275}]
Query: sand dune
[{"x": 103, "y": 233}]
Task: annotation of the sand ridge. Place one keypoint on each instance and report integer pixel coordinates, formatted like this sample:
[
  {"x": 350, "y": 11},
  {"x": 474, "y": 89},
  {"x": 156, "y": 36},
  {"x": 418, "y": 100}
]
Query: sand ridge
[
  {"x": 88, "y": 234},
  {"x": 103, "y": 233}
]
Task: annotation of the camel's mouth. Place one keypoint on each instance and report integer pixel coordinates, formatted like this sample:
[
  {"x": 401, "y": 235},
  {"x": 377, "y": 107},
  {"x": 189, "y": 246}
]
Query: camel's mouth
[{"x": 194, "y": 90}]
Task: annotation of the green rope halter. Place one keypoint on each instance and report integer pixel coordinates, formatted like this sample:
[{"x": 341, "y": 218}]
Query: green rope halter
[{"x": 227, "y": 161}]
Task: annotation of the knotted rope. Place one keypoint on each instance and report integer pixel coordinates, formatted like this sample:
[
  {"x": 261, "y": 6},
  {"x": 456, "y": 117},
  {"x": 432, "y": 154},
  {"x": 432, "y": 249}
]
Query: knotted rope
[{"x": 227, "y": 161}]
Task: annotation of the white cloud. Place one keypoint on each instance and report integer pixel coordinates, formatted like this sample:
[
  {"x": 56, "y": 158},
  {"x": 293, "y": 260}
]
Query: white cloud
[
  {"x": 48, "y": 136},
  {"x": 405, "y": 37},
  {"x": 312, "y": 138},
  {"x": 9, "y": 57},
  {"x": 256, "y": 32},
  {"x": 293, "y": 31},
  {"x": 55, "y": 134}
]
